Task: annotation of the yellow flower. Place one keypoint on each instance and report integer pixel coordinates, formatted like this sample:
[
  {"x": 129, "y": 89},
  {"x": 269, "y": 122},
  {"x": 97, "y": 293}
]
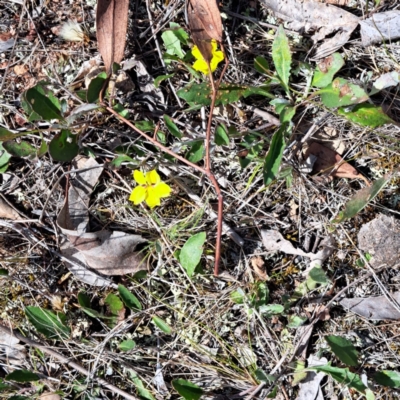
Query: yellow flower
[
  {"x": 150, "y": 188},
  {"x": 201, "y": 65}
]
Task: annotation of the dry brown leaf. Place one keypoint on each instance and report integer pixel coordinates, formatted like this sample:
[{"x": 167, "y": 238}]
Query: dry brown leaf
[
  {"x": 324, "y": 19},
  {"x": 7, "y": 211},
  {"x": 112, "y": 24},
  {"x": 205, "y": 24},
  {"x": 49, "y": 396},
  {"x": 329, "y": 164},
  {"x": 13, "y": 352},
  {"x": 20, "y": 69},
  {"x": 259, "y": 268}
]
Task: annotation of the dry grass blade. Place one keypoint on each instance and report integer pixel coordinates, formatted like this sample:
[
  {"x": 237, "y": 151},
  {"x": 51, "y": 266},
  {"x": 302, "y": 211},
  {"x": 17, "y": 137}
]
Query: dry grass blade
[
  {"x": 112, "y": 22},
  {"x": 205, "y": 24}
]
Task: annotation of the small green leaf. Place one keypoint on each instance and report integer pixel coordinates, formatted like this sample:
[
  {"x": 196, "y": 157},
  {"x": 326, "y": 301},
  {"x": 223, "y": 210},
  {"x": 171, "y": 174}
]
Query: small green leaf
[
  {"x": 221, "y": 135},
  {"x": 361, "y": 199},
  {"x": 129, "y": 299},
  {"x": 44, "y": 105},
  {"x": 326, "y": 69},
  {"x": 174, "y": 130},
  {"x": 123, "y": 112},
  {"x": 161, "y": 78},
  {"x": 127, "y": 345},
  {"x": 64, "y": 146},
  {"x": 145, "y": 126},
  {"x": 162, "y": 325},
  {"x": 388, "y": 378},
  {"x": 172, "y": 43},
  {"x": 196, "y": 152},
  {"x": 343, "y": 376},
  {"x": 294, "y": 321},
  {"x": 341, "y": 93},
  {"x": 119, "y": 160},
  {"x": 282, "y": 56},
  {"x": 3, "y": 272},
  {"x": 261, "y": 65},
  {"x": 191, "y": 252},
  {"x": 22, "y": 149},
  {"x": 343, "y": 349},
  {"x": 188, "y": 390},
  {"x": 5, "y": 134},
  {"x": 238, "y": 296},
  {"x": 95, "y": 86},
  {"x": 4, "y": 158},
  {"x": 114, "y": 303},
  {"x": 142, "y": 391},
  {"x": 318, "y": 275},
  {"x": 84, "y": 300},
  {"x": 274, "y": 157},
  {"x": 48, "y": 323},
  {"x": 271, "y": 309},
  {"x": 22, "y": 375},
  {"x": 264, "y": 377},
  {"x": 366, "y": 115},
  {"x": 42, "y": 149}
]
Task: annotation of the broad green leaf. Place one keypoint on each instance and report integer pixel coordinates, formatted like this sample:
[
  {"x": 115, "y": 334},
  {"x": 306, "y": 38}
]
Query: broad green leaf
[
  {"x": 4, "y": 386},
  {"x": 42, "y": 104},
  {"x": 191, "y": 252},
  {"x": 5, "y": 134},
  {"x": 145, "y": 126},
  {"x": 142, "y": 391},
  {"x": 287, "y": 114},
  {"x": 117, "y": 162},
  {"x": 174, "y": 130},
  {"x": 299, "y": 371},
  {"x": 161, "y": 78},
  {"x": 196, "y": 151},
  {"x": 48, "y": 323},
  {"x": 238, "y": 296},
  {"x": 188, "y": 390},
  {"x": 199, "y": 94},
  {"x": 42, "y": 149},
  {"x": 264, "y": 377},
  {"x": 3, "y": 272},
  {"x": 341, "y": 93},
  {"x": 114, "y": 303},
  {"x": 22, "y": 375},
  {"x": 361, "y": 199},
  {"x": 180, "y": 33},
  {"x": 172, "y": 43},
  {"x": 274, "y": 157},
  {"x": 84, "y": 300},
  {"x": 366, "y": 115},
  {"x": 343, "y": 376},
  {"x": 221, "y": 135},
  {"x": 64, "y": 146},
  {"x": 123, "y": 112},
  {"x": 326, "y": 69},
  {"x": 162, "y": 325},
  {"x": 95, "y": 86},
  {"x": 273, "y": 393},
  {"x": 318, "y": 275},
  {"x": 127, "y": 345},
  {"x": 22, "y": 149},
  {"x": 343, "y": 349},
  {"x": 294, "y": 321},
  {"x": 129, "y": 299},
  {"x": 282, "y": 56},
  {"x": 388, "y": 378},
  {"x": 261, "y": 65},
  {"x": 260, "y": 296},
  {"x": 4, "y": 158},
  {"x": 271, "y": 309}
]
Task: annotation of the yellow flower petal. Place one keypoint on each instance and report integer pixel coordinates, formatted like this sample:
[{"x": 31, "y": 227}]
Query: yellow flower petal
[
  {"x": 201, "y": 66},
  {"x": 152, "y": 177},
  {"x": 213, "y": 46},
  {"x": 139, "y": 177},
  {"x": 196, "y": 53},
  {"x": 218, "y": 56},
  {"x": 138, "y": 195},
  {"x": 152, "y": 198},
  {"x": 162, "y": 190}
]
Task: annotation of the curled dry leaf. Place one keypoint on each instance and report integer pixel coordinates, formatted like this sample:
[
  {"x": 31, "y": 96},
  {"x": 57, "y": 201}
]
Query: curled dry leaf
[
  {"x": 205, "y": 24},
  {"x": 259, "y": 268},
  {"x": 7, "y": 211},
  {"x": 112, "y": 23},
  {"x": 12, "y": 352},
  {"x": 329, "y": 164}
]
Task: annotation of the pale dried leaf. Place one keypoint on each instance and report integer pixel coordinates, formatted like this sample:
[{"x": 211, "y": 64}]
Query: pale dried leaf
[
  {"x": 259, "y": 267},
  {"x": 7, "y": 211},
  {"x": 310, "y": 387},
  {"x": 373, "y": 307},
  {"x": 49, "y": 396},
  {"x": 380, "y": 27},
  {"x": 324, "y": 19},
  {"x": 10, "y": 351}
]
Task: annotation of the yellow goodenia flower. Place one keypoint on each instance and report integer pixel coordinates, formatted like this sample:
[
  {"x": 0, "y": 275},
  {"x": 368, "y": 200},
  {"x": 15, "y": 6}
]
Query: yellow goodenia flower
[
  {"x": 150, "y": 188},
  {"x": 201, "y": 65}
]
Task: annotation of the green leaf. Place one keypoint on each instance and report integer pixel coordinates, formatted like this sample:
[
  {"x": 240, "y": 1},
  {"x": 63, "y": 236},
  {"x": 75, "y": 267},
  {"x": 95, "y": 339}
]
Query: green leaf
[
  {"x": 343, "y": 349},
  {"x": 145, "y": 126},
  {"x": 22, "y": 375},
  {"x": 287, "y": 114},
  {"x": 341, "y": 93},
  {"x": 162, "y": 325},
  {"x": 221, "y": 135},
  {"x": 282, "y": 56},
  {"x": 5, "y": 134},
  {"x": 366, "y": 115},
  {"x": 196, "y": 152},
  {"x": 199, "y": 94},
  {"x": 46, "y": 106},
  {"x": 114, "y": 303},
  {"x": 129, "y": 299},
  {"x": 161, "y": 78},
  {"x": 3, "y": 272},
  {"x": 264, "y": 377},
  {"x": 238, "y": 296},
  {"x": 127, "y": 345},
  {"x": 326, "y": 69},
  {"x": 119, "y": 108},
  {"x": 191, "y": 252},
  {"x": 271, "y": 309},
  {"x": 174, "y": 130},
  {"x": 48, "y": 323},
  {"x": 42, "y": 149},
  {"x": 172, "y": 43},
  {"x": 19, "y": 398},
  {"x": 180, "y": 33},
  {"x": 95, "y": 86},
  {"x": 361, "y": 199},
  {"x": 188, "y": 390},
  {"x": 318, "y": 275},
  {"x": 388, "y": 378},
  {"x": 84, "y": 300},
  {"x": 261, "y": 65},
  {"x": 274, "y": 157},
  {"x": 4, "y": 158},
  {"x": 343, "y": 376},
  {"x": 294, "y": 321},
  {"x": 260, "y": 296},
  {"x": 64, "y": 146},
  {"x": 22, "y": 149},
  {"x": 117, "y": 162},
  {"x": 142, "y": 391}
]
